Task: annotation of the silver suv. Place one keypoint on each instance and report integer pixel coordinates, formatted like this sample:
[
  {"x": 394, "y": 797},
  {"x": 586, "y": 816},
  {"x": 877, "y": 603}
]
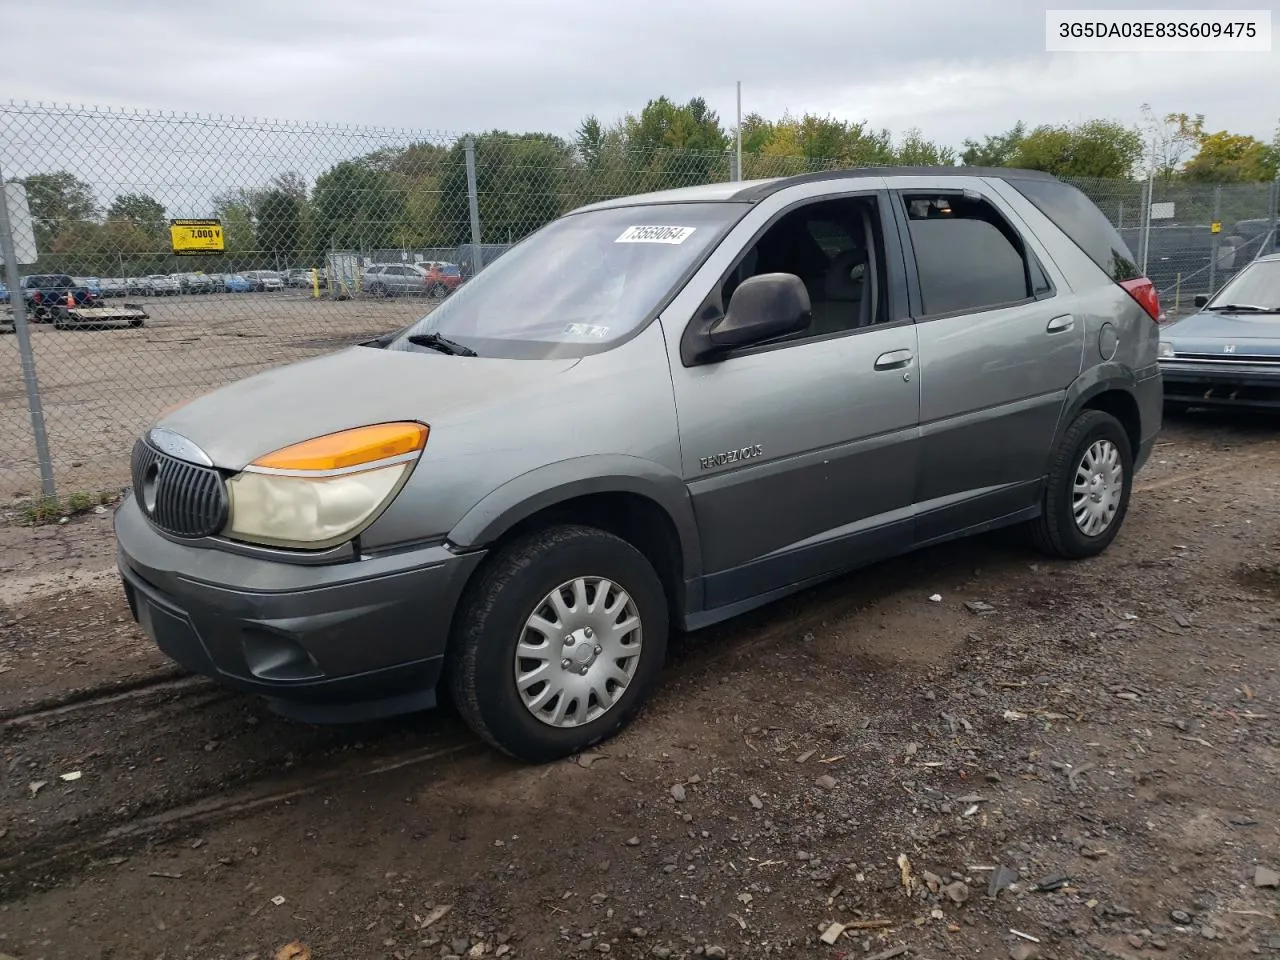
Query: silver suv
[
  {"x": 656, "y": 412},
  {"x": 395, "y": 279}
]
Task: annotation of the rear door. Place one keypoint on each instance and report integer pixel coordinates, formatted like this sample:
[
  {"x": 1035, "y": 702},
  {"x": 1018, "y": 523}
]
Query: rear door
[{"x": 999, "y": 346}]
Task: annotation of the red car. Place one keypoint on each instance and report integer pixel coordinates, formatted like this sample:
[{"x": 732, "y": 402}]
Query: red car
[{"x": 442, "y": 278}]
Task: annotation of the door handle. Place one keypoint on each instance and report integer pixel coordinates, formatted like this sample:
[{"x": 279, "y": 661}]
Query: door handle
[
  {"x": 894, "y": 359},
  {"x": 1060, "y": 324}
]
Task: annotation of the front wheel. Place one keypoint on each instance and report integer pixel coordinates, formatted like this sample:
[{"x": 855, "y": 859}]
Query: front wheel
[
  {"x": 558, "y": 643},
  {"x": 1086, "y": 494}
]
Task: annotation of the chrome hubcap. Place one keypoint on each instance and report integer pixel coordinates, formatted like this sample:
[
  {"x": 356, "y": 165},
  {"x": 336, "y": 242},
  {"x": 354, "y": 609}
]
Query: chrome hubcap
[
  {"x": 578, "y": 652},
  {"x": 1099, "y": 483}
]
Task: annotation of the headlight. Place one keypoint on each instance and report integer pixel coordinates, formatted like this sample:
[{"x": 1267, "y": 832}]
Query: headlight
[
  {"x": 321, "y": 492},
  {"x": 1166, "y": 350}
]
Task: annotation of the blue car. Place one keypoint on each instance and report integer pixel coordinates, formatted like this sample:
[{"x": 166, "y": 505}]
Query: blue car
[
  {"x": 234, "y": 283},
  {"x": 1227, "y": 354},
  {"x": 93, "y": 283},
  {"x": 4, "y": 293}
]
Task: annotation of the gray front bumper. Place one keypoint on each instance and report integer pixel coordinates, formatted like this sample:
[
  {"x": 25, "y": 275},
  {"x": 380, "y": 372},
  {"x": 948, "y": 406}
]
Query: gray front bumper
[{"x": 332, "y": 642}]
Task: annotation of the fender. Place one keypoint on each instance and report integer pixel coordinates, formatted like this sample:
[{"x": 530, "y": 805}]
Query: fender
[
  {"x": 1097, "y": 379},
  {"x": 525, "y": 495}
]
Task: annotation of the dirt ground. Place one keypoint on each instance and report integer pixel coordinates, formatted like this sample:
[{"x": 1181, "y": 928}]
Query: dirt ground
[
  {"x": 100, "y": 388},
  {"x": 1088, "y": 769}
]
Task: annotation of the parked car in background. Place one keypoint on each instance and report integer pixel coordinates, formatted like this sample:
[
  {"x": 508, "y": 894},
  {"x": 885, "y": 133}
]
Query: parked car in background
[
  {"x": 264, "y": 280},
  {"x": 138, "y": 286},
  {"x": 163, "y": 285},
  {"x": 655, "y": 412},
  {"x": 114, "y": 287},
  {"x": 234, "y": 283},
  {"x": 4, "y": 293},
  {"x": 46, "y": 293},
  {"x": 195, "y": 283},
  {"x": 93, "y": 283},
  {"x": 1227, "y": 354},
  {"x": 396, "y": 279},
  {"x": 442, "y": 278},
  {"x": 299, "y": 278}
]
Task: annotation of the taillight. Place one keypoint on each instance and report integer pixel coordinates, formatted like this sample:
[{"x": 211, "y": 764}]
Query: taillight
[
  {"x": 36, "y": 298},
  {"x": 1144, "y": 291}
]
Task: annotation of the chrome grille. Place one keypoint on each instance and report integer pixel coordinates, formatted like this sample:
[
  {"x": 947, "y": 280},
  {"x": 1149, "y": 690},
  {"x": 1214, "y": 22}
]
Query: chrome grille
[{"x": 181, "y": 498}]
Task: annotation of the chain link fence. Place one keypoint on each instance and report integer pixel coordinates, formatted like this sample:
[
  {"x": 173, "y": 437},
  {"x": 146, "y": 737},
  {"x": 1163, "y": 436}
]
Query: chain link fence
[{"x": 335, "y": 235}]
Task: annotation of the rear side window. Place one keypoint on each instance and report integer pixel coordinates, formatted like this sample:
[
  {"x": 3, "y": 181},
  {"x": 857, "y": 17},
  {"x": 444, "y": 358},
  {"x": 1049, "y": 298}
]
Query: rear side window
[
  {"x": 968, "y": 258},
  {"x": 1076, "y": 215}
]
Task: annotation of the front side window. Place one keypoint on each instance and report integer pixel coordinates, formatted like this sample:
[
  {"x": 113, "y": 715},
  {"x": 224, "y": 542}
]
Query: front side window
[
  {"x": 968, "y": 257},
  {"x": 580, "y": 284}
]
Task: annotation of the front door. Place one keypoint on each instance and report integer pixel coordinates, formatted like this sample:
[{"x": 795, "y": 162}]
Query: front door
[{"x": 800, "y": 455}]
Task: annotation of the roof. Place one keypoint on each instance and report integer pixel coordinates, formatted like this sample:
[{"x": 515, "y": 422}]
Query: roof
[
  {"x": 1270, "y": 256},
  {"x": 753, "y": 191}
]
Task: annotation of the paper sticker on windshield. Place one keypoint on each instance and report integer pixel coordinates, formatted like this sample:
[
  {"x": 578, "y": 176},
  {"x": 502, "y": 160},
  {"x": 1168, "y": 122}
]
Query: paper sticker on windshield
[
  {"x": 655, "y": 235},
  {"x": 586, "y": 330}
]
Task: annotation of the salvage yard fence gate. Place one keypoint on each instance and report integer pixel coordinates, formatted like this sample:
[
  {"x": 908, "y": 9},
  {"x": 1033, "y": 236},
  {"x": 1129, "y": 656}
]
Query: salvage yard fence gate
[{"x": 91, "y": 194}]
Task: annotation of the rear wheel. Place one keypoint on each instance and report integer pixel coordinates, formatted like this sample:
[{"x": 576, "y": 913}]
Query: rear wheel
[
  {"x": 558, "y": 642},
  {"x": 1086, "y": 494},
  {"x": 377, "y": 290}
]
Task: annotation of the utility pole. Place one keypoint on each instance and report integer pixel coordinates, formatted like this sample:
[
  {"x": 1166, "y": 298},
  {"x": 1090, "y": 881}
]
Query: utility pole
[{"x": 738, "y": 138}]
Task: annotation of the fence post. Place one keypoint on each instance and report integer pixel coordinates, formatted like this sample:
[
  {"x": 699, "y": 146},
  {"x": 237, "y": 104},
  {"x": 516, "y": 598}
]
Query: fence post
[
  {"x": 473, "y": 200},
  {"x": 1144, "y": 235},
  {"x": 1213, "y": 246},
  {"x": 1270, "y": 242},
  {"x": 22, "y": 331}
]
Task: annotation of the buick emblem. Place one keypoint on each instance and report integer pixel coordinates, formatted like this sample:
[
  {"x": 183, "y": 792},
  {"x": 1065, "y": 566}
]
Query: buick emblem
[{"x": 149, "y": 488}]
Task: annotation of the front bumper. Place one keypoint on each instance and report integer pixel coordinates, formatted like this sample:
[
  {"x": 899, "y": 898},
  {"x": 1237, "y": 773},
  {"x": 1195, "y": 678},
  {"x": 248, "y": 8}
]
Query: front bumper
[
  {"x": 1222, "y": 384},
  {"x": 338, "y": 642}
]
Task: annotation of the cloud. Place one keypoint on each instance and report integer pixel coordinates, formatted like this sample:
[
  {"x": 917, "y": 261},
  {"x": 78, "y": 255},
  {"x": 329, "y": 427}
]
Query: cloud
[{"x": 954, "y": 72}]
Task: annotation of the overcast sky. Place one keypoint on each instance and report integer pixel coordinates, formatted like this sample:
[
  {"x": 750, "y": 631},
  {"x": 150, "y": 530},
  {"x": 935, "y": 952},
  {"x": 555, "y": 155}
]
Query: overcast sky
[{"x": 953, "y": 69}]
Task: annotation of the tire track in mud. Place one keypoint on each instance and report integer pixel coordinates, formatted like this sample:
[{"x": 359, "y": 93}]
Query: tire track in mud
[{"x": 274, "y": 761}]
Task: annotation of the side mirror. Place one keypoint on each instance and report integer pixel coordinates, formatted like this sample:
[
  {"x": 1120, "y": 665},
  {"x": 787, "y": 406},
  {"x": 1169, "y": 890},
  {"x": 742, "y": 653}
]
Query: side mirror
[
  {"x": 1202, "y": 300},
  {"x": 763, "y": 307}
]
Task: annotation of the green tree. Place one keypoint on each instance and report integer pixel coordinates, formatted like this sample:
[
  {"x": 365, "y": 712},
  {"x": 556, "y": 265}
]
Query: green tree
[
  {"x": 136, "y": 224},
  {"x": 281, "y": 228},
  {"x": 59, "y": 202},
  {"x": 235, "y": 209},
  {"x": 1226, "y": 157},
  {"x": 995, "y": 150},
  {"x": 520, "y": 185},
  {"x": 1100, "y": 149},
  {"x": 915, "y": 151},
  {"x": 674, "y": 145},
  {"x": 357, "y": 206}
]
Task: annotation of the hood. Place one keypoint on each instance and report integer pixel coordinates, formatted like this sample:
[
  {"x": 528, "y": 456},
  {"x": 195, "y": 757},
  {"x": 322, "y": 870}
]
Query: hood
[
  {"x": 1253, "y": 334},
  {"x": 244, "y": 420}
]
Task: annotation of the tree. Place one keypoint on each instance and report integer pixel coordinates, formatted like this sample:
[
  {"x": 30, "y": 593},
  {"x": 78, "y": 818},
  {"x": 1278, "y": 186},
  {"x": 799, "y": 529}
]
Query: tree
[
  {"x": 281, "y": 229},
  {"x": 1230, "y": 158},
  {"x": 357, "y": 207},
  {"x": 1171, "y": 139},
  {"x": 58, "y": 202},
  {"x": 676, "y": 145},
  {"x": 1100, "y": 149},
  {"x": 136, "y": 224},
  {"x": 519, "y": 186},
  {"x": 590, "y": 141},
  {"x": 915, "y": 151},
  {"x": 995, "y": 150},
  {"x": 235, "y": 209}
]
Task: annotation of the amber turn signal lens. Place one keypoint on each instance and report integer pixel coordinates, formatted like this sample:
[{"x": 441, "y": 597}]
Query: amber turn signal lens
[{"x": 349, "y": 448}]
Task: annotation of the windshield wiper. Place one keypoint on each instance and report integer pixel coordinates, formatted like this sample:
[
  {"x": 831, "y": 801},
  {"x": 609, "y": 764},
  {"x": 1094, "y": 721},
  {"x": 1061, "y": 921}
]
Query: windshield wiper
[
  {"x": 437, "y": 342},
  {"x": 1244, "y": 308}
]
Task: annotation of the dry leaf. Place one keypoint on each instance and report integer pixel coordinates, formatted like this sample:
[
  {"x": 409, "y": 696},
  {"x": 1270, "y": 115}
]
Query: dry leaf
[{"x": 294, "y": 951}]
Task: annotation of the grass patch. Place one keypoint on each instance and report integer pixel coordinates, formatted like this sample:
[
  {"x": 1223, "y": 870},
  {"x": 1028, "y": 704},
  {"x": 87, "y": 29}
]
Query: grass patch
[{"x": 53, "y": 509}]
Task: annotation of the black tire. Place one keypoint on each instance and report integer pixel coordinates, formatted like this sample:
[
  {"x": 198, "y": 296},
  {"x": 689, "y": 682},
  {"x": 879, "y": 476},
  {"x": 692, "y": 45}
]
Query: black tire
[
  {"x": 1055, "y": 532},
  {"x": 491, "y": 619},
  {"x": 136, "y": 323},
  {"x": 377, "y": 290},
  {"x": 437, "y": 291}
]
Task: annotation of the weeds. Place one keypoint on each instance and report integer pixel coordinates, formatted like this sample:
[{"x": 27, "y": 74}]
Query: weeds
[{"x": 53, "y": 509}]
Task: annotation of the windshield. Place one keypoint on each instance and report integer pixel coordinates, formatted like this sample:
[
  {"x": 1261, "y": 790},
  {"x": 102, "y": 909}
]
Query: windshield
[
  {"x": 1257, "y": 285},
  {"x": 578, "y": 285}
]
